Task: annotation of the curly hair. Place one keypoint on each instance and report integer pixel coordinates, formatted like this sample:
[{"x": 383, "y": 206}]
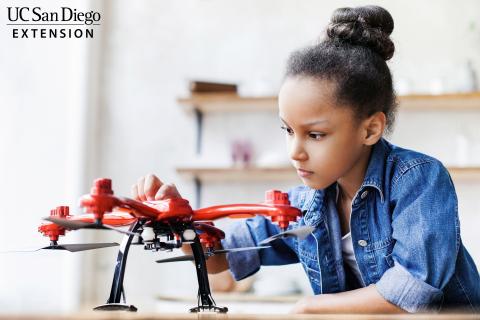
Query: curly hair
[{"x": 353, "y": 55}]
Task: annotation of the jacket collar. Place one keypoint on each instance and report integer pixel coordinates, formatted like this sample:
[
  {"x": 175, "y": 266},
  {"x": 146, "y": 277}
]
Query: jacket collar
[
  {"x": 375, "y": 174},
  {"x": 374, "y": 178}
]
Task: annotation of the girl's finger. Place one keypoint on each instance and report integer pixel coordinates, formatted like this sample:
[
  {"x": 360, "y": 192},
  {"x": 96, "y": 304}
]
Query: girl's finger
[
  {"x": 141, "y": 193},
  {"x": 152, "y": 184},
  {"x": 174, "y": 191},
  {"x": 167, "y": 191},
  {"x": 134, "y": 191},
  {"x": 161, "y": 193}
]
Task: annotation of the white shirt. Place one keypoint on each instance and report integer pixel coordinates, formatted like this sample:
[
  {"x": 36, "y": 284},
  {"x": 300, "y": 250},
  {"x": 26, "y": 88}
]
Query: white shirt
[{"x": 348, "y": 254}]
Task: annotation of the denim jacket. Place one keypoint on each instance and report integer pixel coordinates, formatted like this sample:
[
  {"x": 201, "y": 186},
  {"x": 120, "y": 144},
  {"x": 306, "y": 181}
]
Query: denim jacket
[{"x": 405, "y": 232}]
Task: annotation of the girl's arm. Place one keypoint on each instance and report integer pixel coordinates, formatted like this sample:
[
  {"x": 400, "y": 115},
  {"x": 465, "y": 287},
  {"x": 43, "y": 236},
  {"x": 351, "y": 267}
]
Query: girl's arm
[{"x": 363, "y": 300}]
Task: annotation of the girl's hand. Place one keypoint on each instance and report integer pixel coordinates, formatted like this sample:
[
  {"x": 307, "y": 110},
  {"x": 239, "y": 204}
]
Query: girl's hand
[
  {"x": 362, "y": 300},
  {"x": 150, "y": 187},
  {"x": 301, "y": 307}
]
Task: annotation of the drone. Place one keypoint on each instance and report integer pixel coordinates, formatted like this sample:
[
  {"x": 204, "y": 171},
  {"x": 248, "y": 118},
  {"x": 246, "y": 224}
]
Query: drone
[{"x": 163, "y": 225}]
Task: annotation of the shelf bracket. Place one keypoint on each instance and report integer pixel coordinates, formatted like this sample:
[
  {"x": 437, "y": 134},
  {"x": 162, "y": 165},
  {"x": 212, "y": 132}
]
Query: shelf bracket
[{"x": 199, "y": 121}]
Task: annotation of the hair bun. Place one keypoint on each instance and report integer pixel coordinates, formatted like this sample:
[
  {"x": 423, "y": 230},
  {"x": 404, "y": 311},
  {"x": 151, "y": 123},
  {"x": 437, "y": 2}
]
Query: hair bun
[{"x": 368, "y": 26}]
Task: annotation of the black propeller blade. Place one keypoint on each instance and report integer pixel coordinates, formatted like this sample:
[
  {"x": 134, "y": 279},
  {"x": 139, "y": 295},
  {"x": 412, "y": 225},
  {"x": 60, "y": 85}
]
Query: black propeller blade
[
  {"x": 75, "y": 247},
  {"x": 177, "y": 259},
  {"x": 209, "y": 254},
  {"x": 69, "y": 224},
  {"x": 84, "y": 246},
  {"x": 75, "y": 225},
  {"x": 239, "y": 249},
  {"x": 301, "y": 233}
]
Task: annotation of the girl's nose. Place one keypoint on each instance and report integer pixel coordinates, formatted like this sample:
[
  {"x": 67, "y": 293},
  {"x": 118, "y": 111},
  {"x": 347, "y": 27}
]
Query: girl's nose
[{"x": 297, "y": 151}]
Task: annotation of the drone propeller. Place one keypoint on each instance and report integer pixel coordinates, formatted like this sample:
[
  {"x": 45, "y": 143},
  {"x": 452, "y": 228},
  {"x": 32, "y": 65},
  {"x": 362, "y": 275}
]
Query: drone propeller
[
  {"x": 301, "y": 233},
  {"x": 177, "y": 259},
  {"x": 75, "y": 225},
  {"x": 223, "y": 251},
  {"x": 209, "y": 254},
  {"x": 75, "y": 247}
]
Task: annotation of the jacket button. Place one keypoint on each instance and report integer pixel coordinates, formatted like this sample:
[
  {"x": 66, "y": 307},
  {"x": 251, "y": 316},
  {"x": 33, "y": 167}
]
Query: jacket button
[
  {"x": 362, "y": 243},
  {"x": 364, "y": 194}
]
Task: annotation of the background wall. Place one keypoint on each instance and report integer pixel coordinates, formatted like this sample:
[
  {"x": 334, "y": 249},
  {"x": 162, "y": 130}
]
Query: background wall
[{"x": 74, "y": 110}]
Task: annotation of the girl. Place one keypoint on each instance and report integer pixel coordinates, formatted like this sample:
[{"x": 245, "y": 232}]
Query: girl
[{"x": 386, "y": 235}]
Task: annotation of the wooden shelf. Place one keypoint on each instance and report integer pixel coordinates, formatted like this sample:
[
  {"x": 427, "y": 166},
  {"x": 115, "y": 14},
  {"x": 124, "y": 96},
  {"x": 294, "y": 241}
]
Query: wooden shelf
[
  {"x": 287, "y": 173},
  {"x": 232, "y": 102},
  {"x": 444, "y": 102},
  {"x": 199, "y": 104},
  {"x": 215, "y": 102},
  {"x": 240, "y": 174},
  {"x": 464, "y": 173},
  {"x": 185, "y": 315}
]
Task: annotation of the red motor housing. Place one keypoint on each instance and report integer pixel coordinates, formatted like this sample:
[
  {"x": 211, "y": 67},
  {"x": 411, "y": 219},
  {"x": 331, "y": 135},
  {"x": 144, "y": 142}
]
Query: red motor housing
[
  {"x": 52, "y": 230},
  {"x": 100, "y": 200}
]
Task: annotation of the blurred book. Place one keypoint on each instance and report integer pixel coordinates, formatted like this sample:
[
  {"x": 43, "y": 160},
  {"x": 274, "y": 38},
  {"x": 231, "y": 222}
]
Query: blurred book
[{"x": 212, "y": 87}]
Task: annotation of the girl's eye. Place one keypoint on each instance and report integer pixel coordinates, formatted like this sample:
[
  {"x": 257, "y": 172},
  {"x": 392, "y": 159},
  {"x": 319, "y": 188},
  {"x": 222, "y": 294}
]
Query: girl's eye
[
  {"x": 316, "y": 135},
  {"x": 287, "y": 130}
]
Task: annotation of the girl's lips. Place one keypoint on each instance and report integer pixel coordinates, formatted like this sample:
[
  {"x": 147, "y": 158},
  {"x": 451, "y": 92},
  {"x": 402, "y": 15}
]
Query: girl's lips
[{"x": 304, "y": 173}]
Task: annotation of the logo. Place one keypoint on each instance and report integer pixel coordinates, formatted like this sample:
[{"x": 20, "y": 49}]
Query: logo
[{"x": 34, "y": 22}]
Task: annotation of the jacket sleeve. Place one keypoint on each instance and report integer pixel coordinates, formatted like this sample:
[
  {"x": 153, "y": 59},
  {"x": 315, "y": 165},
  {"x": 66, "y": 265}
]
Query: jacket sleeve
[
  {"x": 249, "y": 233},
  {"x": 426, "y": 232}
]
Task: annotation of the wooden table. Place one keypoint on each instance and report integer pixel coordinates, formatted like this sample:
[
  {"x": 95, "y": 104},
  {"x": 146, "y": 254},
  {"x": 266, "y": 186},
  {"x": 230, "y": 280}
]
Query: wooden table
[{"x": 190, "y": 316}]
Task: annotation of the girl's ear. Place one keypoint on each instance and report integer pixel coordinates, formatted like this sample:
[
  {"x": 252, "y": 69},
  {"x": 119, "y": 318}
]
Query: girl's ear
[{"x": 373, "y": 128}]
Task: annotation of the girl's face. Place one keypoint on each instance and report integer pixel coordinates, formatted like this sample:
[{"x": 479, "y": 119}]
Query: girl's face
[{"x": 324, "y": 140}]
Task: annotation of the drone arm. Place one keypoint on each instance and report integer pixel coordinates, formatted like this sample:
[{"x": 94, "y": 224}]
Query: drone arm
[
  {"x": 281, "y": 213},
  {"x": 115, "y": 219},
  {"x": 138, "y": 209}
]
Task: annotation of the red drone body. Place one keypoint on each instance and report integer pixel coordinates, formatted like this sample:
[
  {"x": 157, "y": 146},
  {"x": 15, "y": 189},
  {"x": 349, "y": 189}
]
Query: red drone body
[
  {"x": 103, "y": 206},
  {"x": 173, "y": 220}
]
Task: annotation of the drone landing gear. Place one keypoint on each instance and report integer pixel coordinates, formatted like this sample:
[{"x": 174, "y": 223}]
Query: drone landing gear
[
  {"x": 115, "y": 307},
  {"x": 117, "y": 291},
  {"x": 209, "y": 309},
  {"x": 205, "y": 300}
]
